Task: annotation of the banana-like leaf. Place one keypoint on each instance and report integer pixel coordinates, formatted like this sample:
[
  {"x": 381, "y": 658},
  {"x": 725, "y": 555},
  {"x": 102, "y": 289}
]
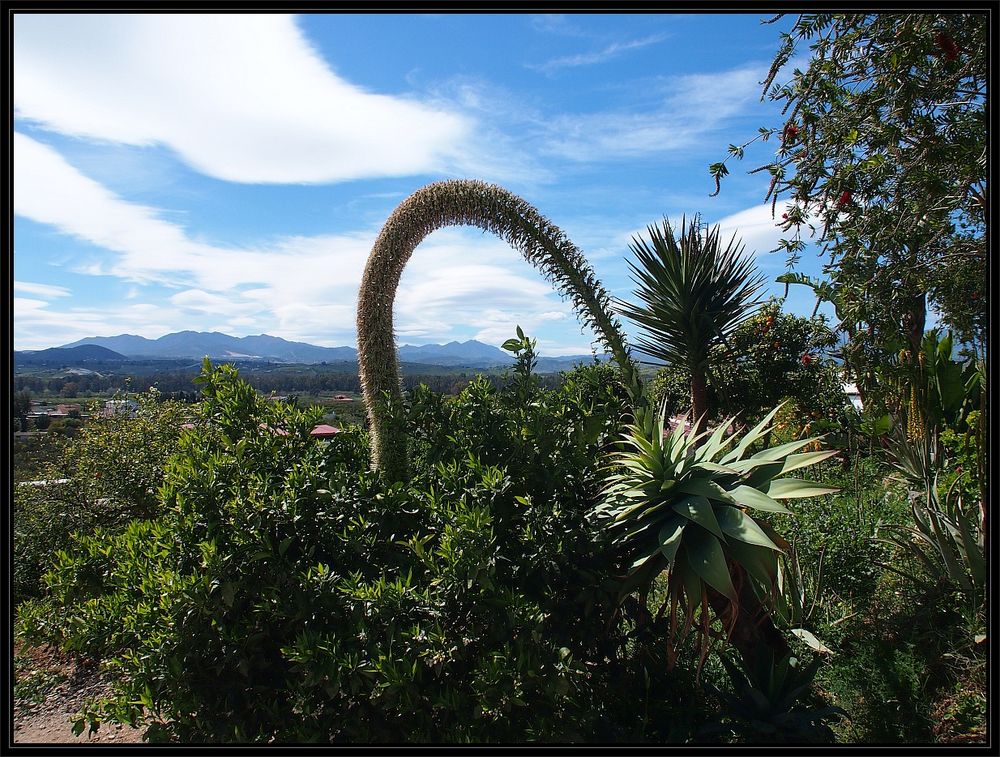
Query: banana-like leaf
[
  {"x": 738, "y": 525},
  {"x": 698, "y": 509},
  {"x": 758, "y": 500},
  {"x": 795, "y": 488},
  {"x": 670, "y": 537},
  {"x": 708, "y": 560}
]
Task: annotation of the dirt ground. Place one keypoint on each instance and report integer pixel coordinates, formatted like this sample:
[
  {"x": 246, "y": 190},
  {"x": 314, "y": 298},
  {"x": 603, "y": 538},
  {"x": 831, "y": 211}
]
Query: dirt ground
[{"x": 50, "y": 721}]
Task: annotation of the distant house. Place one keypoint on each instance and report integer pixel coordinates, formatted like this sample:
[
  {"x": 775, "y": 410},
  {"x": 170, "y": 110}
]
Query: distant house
[
  {"x": 323, "y": 431},
  {"x": 342, "y": 398},
  {"x": 120, "y": 407},
  {"x": 851, "y": 390}
]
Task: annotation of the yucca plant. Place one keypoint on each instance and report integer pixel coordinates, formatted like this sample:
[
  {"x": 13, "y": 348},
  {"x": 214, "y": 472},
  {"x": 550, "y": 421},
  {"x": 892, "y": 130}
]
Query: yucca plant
[
  {"x": 681, "y": 503},
  {"x": 692, "y": 292}
]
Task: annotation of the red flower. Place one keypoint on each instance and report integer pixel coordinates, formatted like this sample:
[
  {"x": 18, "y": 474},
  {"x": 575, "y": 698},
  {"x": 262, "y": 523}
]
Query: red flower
[
  {"x": 785, "y": 216},
  {"x": 947, "y": 45},
  {"x": 806, "y": 359},
  {"x": 791, "y": 132},
  {"x": 844, "y": 199}
]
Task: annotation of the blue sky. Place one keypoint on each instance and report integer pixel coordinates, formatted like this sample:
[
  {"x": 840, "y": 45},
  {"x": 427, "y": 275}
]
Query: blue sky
[{"x": 230, "y": 173}]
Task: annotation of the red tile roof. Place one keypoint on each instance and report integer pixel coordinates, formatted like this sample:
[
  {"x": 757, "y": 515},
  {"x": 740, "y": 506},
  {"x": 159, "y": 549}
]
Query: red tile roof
[{"x": 324, "y": 430}]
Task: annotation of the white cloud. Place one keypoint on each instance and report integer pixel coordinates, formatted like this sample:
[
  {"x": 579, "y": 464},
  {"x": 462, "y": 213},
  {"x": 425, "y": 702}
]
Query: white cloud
[
  {"x": 41, "y": 290},
  {"x": 598, "y": 56},
  {"x": 297, "y": 287},
  {"x": 689, "y": 107},
  {"x": 758, "y": 231},
  {"x": 243, "y": 98}
]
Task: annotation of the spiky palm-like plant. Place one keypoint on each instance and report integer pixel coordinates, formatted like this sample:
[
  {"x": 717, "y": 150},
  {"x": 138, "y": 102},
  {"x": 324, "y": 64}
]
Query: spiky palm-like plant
[
  {"x": 693, "y": 510},
  {"x": 493, "y": 209},
  {"x": 692, "y": 293}
]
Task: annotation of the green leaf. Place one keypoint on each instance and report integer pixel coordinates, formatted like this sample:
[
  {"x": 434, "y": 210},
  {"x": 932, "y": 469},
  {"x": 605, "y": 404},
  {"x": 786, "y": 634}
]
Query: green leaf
[
  {"x": 670, "y": 537},
  {"x": 761, "y": 563},
  {"x": 750, "y": 437},
  {"x": 708, "y": 560},
  {"x": 782, "y": 450},
  {"x": 794, "y": 488},
  {"x": 705, "y": 488},
  {"x": 511, "y": 345},
  {"x": 740, "y": 526},
  {"x": 758, "y": 500},
  {"x": 699, "y": 510},
  {"x": 801, "y": 460}
]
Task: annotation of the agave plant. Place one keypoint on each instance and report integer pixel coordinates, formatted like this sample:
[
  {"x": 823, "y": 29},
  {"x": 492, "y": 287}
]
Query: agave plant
[
  {"x": 946, "y": 538},
  {"x": 680, "y": 502}
]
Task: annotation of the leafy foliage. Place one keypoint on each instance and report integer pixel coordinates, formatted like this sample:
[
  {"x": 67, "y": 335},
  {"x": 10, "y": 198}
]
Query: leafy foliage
[
  {"x": 285, "y": 593},
  {"x": 694, "y": 510}
]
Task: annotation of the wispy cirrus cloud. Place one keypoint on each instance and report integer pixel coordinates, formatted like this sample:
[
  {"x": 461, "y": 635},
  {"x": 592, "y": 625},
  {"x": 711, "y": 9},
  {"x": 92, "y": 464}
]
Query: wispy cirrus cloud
[
  {"x": 594, "y": 57},
  {"x": 685, "y": 109},
  {"x": 243, "y": 98},
  {"x": 48, "y": 291}
]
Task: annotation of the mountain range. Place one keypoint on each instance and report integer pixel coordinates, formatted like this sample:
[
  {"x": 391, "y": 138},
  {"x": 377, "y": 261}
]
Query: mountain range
[{"x": 217, "y": 346}]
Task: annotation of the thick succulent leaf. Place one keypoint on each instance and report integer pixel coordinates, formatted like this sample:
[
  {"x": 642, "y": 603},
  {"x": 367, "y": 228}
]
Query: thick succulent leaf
[
  {"x": 795, "y": 488},
  {"x": 776, "y": 538},
  {"x": 761, "y": 475},
  {"x": 760, "y": 562},
  {"x": 707, "y": 559},
  {"x": 705, "y": 488},
  {"x": 715, "y": 444},
  {"x": 699, "y": 510},
  {"x": 738, "y": 525},
  {"x": 758, "y": 500},
  {"x": 973, "y": 551},
  {"x": 643, "y": 558},
  {"x": 670, "y": 537},
  {"x": 802, "y": 459},
  {"x": 782, "y": 450},
  {"x": 750, "y": 437},
  {"x": 690, "y": 580},
  {"x": 709, "y": 467}
]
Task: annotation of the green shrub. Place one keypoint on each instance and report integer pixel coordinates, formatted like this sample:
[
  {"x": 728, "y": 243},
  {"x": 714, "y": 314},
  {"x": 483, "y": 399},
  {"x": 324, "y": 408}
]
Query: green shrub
[{"x": 285, "y": 593}]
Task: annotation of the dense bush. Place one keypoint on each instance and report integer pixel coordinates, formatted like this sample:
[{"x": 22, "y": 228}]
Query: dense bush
[
  {"x": 285, "y": 593},
  {"x": 105, "y": 475},
  {"x": 772, "y": 356}
]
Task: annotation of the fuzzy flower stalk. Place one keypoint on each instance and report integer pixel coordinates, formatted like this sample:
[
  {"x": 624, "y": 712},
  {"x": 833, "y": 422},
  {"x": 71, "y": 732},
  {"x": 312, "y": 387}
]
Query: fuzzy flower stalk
[{"x": 493, "y": 209}]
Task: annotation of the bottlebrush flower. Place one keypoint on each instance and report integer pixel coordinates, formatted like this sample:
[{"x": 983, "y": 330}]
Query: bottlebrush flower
[
  {"x": 947, "y": 45},
  {"x": 806, "y": 359},
  {"x": 845, "y": 198}
]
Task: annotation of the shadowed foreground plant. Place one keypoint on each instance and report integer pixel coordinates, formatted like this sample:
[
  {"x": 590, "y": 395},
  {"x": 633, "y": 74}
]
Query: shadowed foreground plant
[
  {"x": 492, "y": 209},
  {"x": 762, "y": 704},
  {"x": 681, "y": 503}
]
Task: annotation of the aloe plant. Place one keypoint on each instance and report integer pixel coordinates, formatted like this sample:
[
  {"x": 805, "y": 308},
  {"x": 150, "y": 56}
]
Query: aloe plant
[
  {"x": 493, "y": 209},
  {"x": 763, "y": 705},
  {"x": 680, "y": 502}
]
